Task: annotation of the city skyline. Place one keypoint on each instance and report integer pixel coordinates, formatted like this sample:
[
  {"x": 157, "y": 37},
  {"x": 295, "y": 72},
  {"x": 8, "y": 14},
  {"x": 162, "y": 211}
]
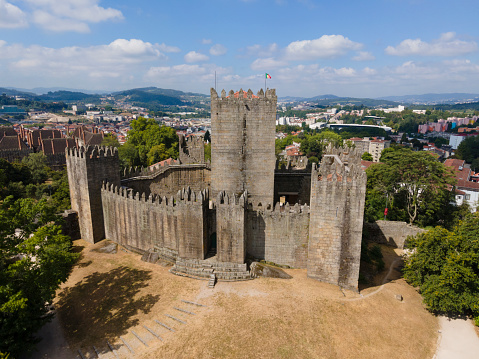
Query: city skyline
[{"x": 310, "y": 48}]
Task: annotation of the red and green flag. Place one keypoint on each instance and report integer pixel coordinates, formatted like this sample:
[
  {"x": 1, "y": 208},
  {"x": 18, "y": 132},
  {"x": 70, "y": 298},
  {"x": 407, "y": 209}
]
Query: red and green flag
[{"x": 268, "y": 76}]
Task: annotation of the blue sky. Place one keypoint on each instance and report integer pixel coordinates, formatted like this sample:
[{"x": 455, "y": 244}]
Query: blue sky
[{"x": 347, "y": 48}]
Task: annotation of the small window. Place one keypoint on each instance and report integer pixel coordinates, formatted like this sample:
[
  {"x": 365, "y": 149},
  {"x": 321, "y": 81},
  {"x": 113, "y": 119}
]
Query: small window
[{"x": 467, "y": 197}]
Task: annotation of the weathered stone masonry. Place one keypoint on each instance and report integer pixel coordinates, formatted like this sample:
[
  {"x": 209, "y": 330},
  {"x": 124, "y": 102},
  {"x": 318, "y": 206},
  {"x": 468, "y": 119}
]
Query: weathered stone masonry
[{"x": 187, "y": 211}]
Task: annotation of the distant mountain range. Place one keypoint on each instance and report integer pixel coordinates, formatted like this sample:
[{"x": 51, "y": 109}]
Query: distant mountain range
[
  {"x": 333, "y": 100},
  {"x": 154, "y": 96},
  {"x": 434, "y": 98},
  {"x": 147, "y": 97}
]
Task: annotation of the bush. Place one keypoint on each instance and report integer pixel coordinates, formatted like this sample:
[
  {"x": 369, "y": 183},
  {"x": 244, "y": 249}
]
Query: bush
[{"x": 445, "y": 267}]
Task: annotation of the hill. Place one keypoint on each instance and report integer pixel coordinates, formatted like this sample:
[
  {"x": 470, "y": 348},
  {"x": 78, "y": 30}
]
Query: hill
[
  {"x": 68, "y": 96},
  {"x": 434, "y": 98}
]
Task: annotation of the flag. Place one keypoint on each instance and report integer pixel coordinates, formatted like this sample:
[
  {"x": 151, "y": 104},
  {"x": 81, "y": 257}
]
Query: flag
[{"x": 268, "y": 76}]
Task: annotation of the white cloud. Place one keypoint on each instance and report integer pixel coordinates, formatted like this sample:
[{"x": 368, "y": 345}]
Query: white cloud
[
  {"x": 194, "y": 56},
  {"x": 70, "y": 15},
  {"x": 174, "y": 71},
  {"x": 363, "y": 56},
  {"x": 11, "y": 16},
  {"x": 327, "y": 46},
  {"x": 262, "y": 51},
  {"x": 166, "y": 48},
  {"x": 53, "y": 23},
  {"x": 447, "y": 45},
  {"x": 206, "y": 41},
  {"x": 217, "y": 50},
  {"x": 116, "y": 57},
  {"x": 267, "y": 64}
]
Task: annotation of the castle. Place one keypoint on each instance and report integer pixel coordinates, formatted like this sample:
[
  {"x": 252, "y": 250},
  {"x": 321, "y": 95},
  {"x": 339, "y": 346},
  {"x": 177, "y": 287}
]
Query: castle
[{"x": 208, "y": 218}]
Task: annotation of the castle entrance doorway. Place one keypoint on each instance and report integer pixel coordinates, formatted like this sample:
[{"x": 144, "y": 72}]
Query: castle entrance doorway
[{"x": 212, "y": 246}]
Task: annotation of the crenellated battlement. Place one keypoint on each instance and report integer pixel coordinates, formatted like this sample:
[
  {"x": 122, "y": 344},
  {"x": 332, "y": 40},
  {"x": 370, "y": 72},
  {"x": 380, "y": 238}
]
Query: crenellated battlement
[
  {"x": 185, "y": 196},
  {"x": 341, "y": 164},
  {"x": 241, "y": 95},
  {"x": 191, "y": 149},
  {"x": 92, "y": 152},
  {"x": 224, "y": 198}
]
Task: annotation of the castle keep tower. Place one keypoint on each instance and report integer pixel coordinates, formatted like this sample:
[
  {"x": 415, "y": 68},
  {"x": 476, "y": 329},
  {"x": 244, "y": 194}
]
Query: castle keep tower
[
  {"x": 336, "y": 221},
  {"x": 87, "y": 169},
  {"x": 242, "y": 150}
]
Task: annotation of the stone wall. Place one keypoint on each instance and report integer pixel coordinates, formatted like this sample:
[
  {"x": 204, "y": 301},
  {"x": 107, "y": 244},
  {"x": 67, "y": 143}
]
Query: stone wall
[
  {"x": 230, "y": 228},
  {"x": 87, "y": 169},
  {"x": 191, "y": 149},
  {"x": 337, "y": 205},
  {"x": 242, "y": 150},
  {"x": 279, "y": 235},
  {"x": 168, "y": 180},
  {"x": 391, "y": 233},
  {"x": 176, "y": 224}
]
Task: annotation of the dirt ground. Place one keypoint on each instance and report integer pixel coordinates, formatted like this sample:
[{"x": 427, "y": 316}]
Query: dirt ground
[{"x": 111, "y": 297}]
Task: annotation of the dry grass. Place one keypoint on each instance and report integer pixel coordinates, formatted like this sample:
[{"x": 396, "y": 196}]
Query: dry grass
[{"x": 108, "y": 295}]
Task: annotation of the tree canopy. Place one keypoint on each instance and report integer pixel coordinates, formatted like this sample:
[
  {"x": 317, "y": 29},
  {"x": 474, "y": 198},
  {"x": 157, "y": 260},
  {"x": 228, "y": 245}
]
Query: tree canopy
[
  {"x": 147, "y": 143},
  {"x": 366, "y": 156},
  {"x": 34, "y": 259},
  {"x": 415, "y": 185},
  {"x": 468, "y": 150},
  {"x": 34, "y": 255},
  {"x": 445, "y": 266}
]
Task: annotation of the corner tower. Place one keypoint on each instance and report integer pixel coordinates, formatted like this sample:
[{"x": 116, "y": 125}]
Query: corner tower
[
  {"x": 242, "y": 149},
  {"x": 338, "y": 190},
  {"x": 87, "y": 169}
]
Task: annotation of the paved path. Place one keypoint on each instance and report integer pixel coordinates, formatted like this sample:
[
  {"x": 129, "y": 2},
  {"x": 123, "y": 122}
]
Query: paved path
[
  {"x": 53, "y": 344},
  {"x": 458, "y": 340}
]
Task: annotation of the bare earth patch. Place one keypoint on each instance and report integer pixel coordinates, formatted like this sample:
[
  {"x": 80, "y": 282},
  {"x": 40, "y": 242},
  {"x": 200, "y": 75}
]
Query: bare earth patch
[{"x": 110, "y": 296}]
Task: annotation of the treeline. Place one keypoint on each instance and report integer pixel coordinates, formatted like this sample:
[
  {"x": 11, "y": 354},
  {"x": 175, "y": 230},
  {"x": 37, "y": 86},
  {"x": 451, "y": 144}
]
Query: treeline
[
  {"x": 35, "y": 257},
  {"x": 54, "y": 107}
]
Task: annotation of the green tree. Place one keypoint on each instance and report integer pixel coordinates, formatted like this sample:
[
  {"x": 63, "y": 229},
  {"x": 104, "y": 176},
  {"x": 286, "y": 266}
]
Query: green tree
[
  {"x": 468, "y": 149},
  {"x": 208, "y": 151},
  {"x": 314, "y": 145},
  {"x": 110, "y": 140},
  {"x": 366, "y": 156},
  {"x": 445, "y": 267},
  {"x": 33, "y": 263},
  {"x": 128, "y": 155},
  {"x": 37, "y": 164},
  {"x": 414, "y": 182},
  {"x": 146, "y": 133},
  {"x": 158, "y": 153}
]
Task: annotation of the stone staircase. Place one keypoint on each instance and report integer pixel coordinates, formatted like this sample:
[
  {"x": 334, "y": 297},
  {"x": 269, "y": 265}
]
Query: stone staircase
[{"x": 202, "y": 269}]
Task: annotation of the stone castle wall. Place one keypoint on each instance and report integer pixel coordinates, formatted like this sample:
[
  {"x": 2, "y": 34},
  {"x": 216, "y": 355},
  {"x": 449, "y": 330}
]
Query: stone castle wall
[
  {"x": 279, "y": 235},
  {"x": 170, "y": 179},
  {"x": 191, "y": 149},
  {"x": 391, "y": 233},
  {"x": 87, "y": 168},
  {"x": 230, "y": 227},
  {"x": 337, "y": 206},
  {"x": 242, "y": 152},
  {"x": 151, "y": 222}
]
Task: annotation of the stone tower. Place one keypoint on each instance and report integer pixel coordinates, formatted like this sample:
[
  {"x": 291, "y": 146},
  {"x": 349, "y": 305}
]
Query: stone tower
[
  {"x": 337, "y": 205},
  {"x": 191, "y": 149},
  {"x": 87, "y": 169},
  {"x": 242, "y": 148}
]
